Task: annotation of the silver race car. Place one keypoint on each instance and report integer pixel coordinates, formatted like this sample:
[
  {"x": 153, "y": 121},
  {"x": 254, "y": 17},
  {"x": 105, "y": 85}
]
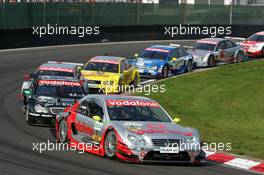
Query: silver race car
[
  {"x": 129, "y": 128},
  {"x": 210, "y": 51}
]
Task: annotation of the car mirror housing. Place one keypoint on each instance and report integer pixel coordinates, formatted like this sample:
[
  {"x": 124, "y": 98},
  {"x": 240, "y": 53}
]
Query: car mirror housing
[
  {"x": 27, "y": 92},
  {"x": 174, "y": 59},
  {"x": 136, "y": 55},
  {"x": 97, "y": 118},
  {"x": 177, "y": 120}
]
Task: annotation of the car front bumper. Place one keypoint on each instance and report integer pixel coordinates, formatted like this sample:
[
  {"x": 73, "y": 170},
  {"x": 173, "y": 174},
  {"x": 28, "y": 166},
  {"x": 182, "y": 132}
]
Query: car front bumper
[{"x": 41, "y": 119}]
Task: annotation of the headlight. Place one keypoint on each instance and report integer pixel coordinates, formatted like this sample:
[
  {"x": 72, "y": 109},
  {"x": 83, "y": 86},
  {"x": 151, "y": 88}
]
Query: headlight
[
  {"x": 192, "y": 139},
  {"x": 153, "y": 67},
  {"x": 108, "y": 82},
  {"x": 40, "y": 109},
  {"x": 135, "y": 139}
]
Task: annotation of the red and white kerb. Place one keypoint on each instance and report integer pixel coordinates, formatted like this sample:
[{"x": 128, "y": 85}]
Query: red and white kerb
[
  {"x": 131, "y": 103},
  {"x": 58, "y": 69},
  {"x": 58, "y": 83}
]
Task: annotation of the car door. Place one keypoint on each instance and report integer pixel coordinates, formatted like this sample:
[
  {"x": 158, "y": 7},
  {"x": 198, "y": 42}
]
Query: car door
[
  {"x": 83, "y": 123},
  {"x": 231, "y": 48},
  {"x": 222, "y": 54},
  {"x": 126, "y": 72}
]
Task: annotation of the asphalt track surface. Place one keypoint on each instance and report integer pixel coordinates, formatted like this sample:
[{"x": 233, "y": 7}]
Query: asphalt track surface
[{"x": 17, "y": 138}]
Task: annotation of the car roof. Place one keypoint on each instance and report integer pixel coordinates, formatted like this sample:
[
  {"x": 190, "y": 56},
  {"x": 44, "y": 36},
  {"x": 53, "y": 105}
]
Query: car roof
[
  {"x": 118, "y": 97},
  {"x": 260, "y": 33},
  {"x": 58, "y": 65},
  {"x": 108, "y": 58},
  {"x": 57, "y": 78},
  {"x": 213, "y": 40},
  {"x": 163, "y": 47}
]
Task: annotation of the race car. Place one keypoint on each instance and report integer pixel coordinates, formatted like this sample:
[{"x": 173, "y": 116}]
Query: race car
[
  {"x": 160, "y": 61},
  {"x": 254, "y": 45},
  {"x": 129, "y": 128},
  {"x": 109, "y": 74},
  {"x": 52, "y": 68},
  {"x": 208, "y": 52},
  {"x": 47, "y": 96}
]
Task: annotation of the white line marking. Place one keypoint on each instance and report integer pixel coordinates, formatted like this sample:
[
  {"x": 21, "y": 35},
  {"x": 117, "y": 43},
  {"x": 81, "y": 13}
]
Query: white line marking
[{"x": 147, "y": 81}]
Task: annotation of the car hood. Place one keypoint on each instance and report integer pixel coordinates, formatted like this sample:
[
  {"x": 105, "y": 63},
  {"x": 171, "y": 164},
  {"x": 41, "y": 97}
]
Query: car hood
[
  {"x": 55, "y": 101},
  {"x": 152, "y": 130},
  {"x": 249, "y": 43},
  {"x": 100, "y": 76},
  {"x": 200, "y": 53},
  {"x": 148, "y": 62}
]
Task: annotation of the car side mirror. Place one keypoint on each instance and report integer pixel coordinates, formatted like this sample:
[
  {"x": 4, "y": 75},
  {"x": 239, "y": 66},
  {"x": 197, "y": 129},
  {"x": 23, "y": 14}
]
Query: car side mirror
[
  {"x": 136, "y": 55},
  {"x": 27, "y": 92},
  {"x": 174, "y": 59},
  {"x": 79, "y": 68},
  {"x": 177, "y": 120},
  {"x": 97, "y": 118}
]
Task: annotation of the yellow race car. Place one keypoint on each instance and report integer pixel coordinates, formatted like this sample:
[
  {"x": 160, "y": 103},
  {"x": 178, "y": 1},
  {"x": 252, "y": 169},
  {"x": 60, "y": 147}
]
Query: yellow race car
[{"x": 110, "y": 74}]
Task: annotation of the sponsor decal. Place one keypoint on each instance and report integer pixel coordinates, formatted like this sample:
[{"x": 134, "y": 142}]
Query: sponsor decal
[
  {"x": 206, "y": 42},
  {"x": 162, "y": 131},
  {"x": 155, "y": 126},
  {"x": 131, "y": 103},
  {"x": 157, "y": 50},
  {"x": 103, "y": 61},
  {"x": 58, "y": 69},
  {"x": 58, "y": 83},
  {"x": 81, "y": 127}
]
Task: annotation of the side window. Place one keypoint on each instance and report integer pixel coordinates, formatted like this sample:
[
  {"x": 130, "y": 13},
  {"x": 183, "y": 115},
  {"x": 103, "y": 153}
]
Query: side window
[
  {"x": 123, "y": 66},
  {"x": 221, "y": 45},
  {"x": 96, "y": 108},
  {"x": 174, "y": 54},
  {"x": 181, "y": 52},
  {"x": 83, "y": 108},
  {"x": 230, "y": 44},
  {"x": 91, "y": 108}
]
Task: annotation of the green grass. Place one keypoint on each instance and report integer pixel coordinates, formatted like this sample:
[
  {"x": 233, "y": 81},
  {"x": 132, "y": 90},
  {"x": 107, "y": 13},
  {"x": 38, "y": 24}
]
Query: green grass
[{"x": 226, "y": 104}]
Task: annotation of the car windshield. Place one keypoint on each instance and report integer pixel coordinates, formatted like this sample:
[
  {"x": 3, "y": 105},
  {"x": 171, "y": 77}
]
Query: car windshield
[
  {"x": 104, "y": 67},
  {"x": 154, "y": 54},
  {"x": 55, "y": 73},
  {"x": 204, "y": 46},
  {"x": 137, "y": 113},
  {"x": 256, "y": 38},
  {"x": 59, "y": 91}
]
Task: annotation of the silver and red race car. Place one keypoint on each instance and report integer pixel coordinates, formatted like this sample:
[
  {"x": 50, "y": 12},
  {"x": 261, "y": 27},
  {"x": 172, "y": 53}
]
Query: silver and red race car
[
  {"x": 208, "y": 52},
  {"x": 129, "y": 128},
  {"x": 254, "y": 45}
]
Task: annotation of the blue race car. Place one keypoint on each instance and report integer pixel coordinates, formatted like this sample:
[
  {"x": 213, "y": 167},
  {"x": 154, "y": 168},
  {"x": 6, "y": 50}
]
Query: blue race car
[{"x": 161, "y": 61}]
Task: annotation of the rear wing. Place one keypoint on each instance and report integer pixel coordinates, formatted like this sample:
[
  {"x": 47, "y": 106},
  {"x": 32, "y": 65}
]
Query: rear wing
[{"x": 59, "y": 62}]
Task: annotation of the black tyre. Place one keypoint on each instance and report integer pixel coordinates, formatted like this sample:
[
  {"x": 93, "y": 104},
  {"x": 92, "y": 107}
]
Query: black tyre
[
  {"x": 63, "y": 132},
  {"x": 110, "y": 145},
  {"x": 165, "y": 72},
  {"x": 189, "y": 66},
  {"x": 240, "y": 56},
  {"x": 211, "y": 61}
]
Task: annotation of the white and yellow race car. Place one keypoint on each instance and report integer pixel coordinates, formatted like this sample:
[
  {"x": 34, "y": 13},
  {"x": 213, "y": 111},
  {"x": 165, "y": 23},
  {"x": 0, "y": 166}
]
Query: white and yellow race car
[{"x": 110, "y": 74}]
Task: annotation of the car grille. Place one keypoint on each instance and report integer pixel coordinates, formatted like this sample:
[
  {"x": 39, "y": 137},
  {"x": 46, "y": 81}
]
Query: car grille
[
  {"x": 56, "y": 110},
  {"x": 165, "y": 142},
  {"x": 157, "y": 156},
  {"x": 93, "y": 82}
]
